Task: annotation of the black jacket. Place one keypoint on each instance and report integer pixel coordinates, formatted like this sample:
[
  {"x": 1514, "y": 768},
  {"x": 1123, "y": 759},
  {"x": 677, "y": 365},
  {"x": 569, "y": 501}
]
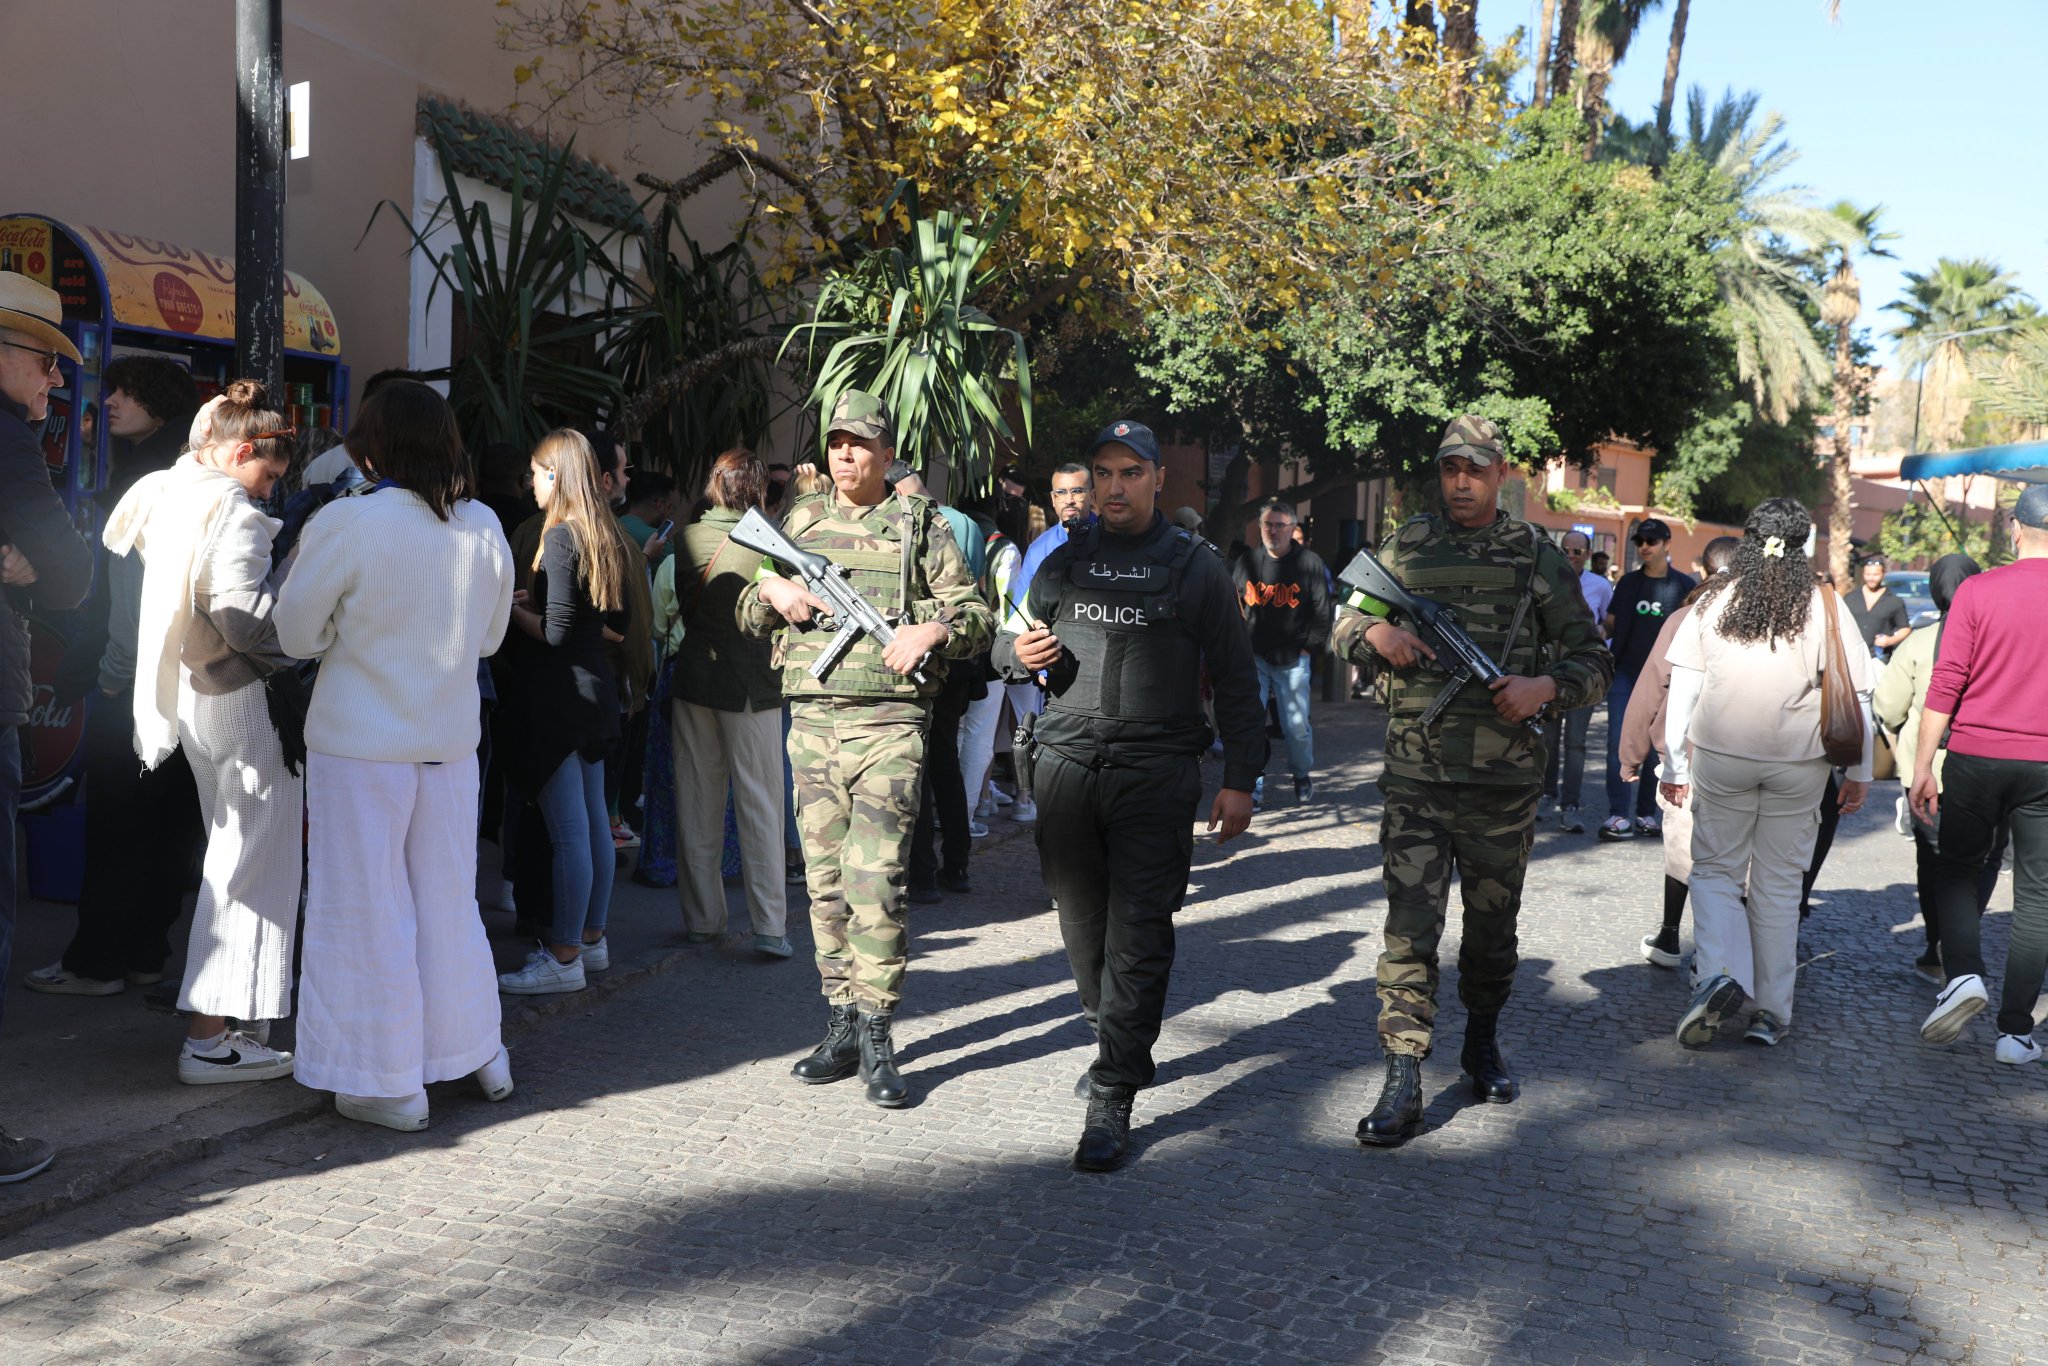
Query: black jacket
[
  {"x": 34, "y": 522},
  {"x": 1286, "y": 602}
]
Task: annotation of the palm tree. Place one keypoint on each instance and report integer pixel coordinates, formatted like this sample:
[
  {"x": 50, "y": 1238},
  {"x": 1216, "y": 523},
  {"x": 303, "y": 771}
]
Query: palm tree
[
  {"x": 1565, "y": 53},
  {"x": 1958, "y": 308},
  {"x": 1541, "y": 49},
  {"x": 1841, "y": 302},
  {"x": 1606, "y": 30},
  {"x": 1664, "y": 105},
  {"x": 1763, "y": 271}
]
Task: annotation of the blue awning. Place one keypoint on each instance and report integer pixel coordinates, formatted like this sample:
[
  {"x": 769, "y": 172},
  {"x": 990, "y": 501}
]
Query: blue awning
[{"x": 2026, "y": 462}]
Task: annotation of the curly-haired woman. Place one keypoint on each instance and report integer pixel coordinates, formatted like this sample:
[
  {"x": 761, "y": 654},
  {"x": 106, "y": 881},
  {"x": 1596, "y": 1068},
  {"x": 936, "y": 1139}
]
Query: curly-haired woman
[{"x": 1747, "y": 668}]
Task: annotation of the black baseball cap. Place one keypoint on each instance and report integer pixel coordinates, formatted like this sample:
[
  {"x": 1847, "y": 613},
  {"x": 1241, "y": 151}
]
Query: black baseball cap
[
  {"x": 2032, "y": 508},
  {"x": 1136, "y": 435},
  {"x": 1651, "y": 529}
]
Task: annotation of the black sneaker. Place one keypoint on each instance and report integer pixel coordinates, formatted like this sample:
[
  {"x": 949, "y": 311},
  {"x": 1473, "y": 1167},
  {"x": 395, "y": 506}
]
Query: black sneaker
[
  {"x": 954, "y": 882},
  {"x": 925, "y": 895},
  {"x": 1304, "y": 791},
  {"x": 21, "y": 1158}
]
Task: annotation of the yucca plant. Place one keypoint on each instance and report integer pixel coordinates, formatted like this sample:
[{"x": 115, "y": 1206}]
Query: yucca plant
[
  {"x": 518, "y": 376},
  {"x": 900, "y": 323}
]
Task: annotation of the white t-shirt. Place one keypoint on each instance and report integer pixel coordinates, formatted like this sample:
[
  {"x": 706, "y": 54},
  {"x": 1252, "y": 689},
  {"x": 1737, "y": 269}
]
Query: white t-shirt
[
  {"x": 1599, "y": 593},
  {"x": 1762, "y": 701}
]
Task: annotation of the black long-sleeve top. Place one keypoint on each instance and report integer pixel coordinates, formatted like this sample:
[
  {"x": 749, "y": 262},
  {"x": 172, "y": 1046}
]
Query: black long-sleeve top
[
  {"x": 32, "y": 520},
  {"x": 1208, "y": 606},
  {"x": 558, "y": 697},
  {"x": 1286, "y": 602}
]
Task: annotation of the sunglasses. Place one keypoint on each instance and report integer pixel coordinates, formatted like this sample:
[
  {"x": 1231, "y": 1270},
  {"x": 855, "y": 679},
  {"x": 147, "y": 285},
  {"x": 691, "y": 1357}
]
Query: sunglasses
[
  {"x": 1640, "y": 541},
  {"x": 50, "y": 358}
]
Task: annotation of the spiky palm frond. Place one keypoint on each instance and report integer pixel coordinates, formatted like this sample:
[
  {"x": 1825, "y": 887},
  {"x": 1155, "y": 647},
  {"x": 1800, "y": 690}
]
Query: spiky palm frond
[
  {"x": 1954, "y": 300},
  {"x": 2012, "y": 382}
]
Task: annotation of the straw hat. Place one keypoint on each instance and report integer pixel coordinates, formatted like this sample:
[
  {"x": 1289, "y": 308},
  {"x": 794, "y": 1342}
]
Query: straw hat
[{"x": 35, "y": 310}]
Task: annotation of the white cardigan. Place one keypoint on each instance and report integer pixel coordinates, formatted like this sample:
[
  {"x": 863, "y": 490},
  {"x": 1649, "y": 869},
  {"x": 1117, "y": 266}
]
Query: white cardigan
[{"x": 398, "y": 607}]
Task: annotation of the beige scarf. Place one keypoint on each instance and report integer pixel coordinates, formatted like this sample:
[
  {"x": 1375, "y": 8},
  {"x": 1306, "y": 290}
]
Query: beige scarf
[{"x": 167, "y": 518}]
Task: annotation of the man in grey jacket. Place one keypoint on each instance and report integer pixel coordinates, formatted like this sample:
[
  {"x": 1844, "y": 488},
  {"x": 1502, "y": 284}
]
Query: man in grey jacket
[{"x": 44, "y": 563}]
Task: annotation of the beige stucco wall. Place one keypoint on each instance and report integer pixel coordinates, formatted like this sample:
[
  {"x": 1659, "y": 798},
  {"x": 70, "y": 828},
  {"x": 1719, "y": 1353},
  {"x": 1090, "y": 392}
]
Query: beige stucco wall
[{"x": 120, "y": 113}]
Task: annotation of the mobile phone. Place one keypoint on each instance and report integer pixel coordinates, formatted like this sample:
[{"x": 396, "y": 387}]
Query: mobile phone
[{"x": 665, "y": 528}]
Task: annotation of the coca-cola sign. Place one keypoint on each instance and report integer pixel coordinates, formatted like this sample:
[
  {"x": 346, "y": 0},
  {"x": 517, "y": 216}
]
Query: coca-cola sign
[{"x": 56, "y": 729}]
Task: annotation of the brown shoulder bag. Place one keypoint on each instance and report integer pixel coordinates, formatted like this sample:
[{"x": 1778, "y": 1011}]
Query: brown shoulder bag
[{"x": 1841, "y": 716}]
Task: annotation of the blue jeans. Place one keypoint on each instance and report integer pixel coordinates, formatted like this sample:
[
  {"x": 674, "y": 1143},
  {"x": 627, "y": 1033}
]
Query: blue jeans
[
  {"x": 1565, "y": 776},
  {"x": 1618, "y": 791},
  {"x": 10, "y": 804},
  {"x": 1289, "y": 682},
  {"x": 579, "y": 826}
]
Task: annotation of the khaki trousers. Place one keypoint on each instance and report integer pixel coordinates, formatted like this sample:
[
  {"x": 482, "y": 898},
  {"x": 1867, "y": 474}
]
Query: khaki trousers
[
  {"x": 1754, "y": 821},
  {"x": 744, "y": 748}
]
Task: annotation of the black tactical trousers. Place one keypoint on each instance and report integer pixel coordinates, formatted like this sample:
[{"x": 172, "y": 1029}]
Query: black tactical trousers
[{"x": 1115, "y": 844}]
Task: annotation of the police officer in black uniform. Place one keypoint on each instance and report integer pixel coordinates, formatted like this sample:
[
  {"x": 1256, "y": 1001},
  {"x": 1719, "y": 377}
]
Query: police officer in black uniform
[{"x": 1123, "y": 618}]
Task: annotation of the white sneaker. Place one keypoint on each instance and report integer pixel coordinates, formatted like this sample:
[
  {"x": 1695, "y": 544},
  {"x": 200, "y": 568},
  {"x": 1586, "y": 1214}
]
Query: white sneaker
[
  {"x": 985, "y": 809},
  {"x": 58, "y": 981},
  {"x": 976, "y": 830},
  {"x": 2017, "y": 1049},
  {"x": 235, "y": 1058},
  {"x": 407, "y": 1114},
  {"x": 495, "y": 1076},
  {"x": 998, "y": 796},
  {"x": 1025, "y": 811},
  {"x": 1959, "y": 1000},
  {"x": 542, "y": 976},
  {"x": 597, "y": 957}
]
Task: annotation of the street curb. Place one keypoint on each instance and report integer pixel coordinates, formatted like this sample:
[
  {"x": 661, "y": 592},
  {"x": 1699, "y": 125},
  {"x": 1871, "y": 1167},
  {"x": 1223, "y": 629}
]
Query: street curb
[{"x": 85, "y": 1173}]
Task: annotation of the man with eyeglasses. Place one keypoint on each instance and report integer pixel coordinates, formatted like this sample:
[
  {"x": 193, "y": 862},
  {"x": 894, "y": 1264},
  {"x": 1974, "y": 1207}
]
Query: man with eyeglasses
[
  {"x": 1564, "y": 780},
  {"x": 44, "y": 563},
  {"x": 1644, "y": 599}
]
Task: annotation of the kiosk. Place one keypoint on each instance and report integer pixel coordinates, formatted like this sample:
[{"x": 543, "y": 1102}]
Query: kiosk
[{"x": 126, "y": 295}]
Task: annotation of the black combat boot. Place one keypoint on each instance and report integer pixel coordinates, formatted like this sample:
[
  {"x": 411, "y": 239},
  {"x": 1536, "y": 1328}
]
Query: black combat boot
[
  {"x": 1106, "y": 1133},
  {"x": 1398, "y": 1115},
  {"x": 878, "y": 1061},
  {"x": 1482, "y": 1061},
  {"x": 838, "y": 1056}
]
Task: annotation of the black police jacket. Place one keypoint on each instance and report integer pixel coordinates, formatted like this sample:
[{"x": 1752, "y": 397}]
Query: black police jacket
[
  {"x": 1139, "y": 618},
  {"x": 34, "y": 522}
]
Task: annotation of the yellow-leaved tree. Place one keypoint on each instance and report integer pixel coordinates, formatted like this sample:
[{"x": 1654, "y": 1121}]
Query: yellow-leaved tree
[{"x": 1177, "y": 155}]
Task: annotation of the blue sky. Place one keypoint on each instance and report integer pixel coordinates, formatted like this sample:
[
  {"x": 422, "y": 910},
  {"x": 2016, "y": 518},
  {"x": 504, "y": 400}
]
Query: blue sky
[{"x": 1931, "y": 109}]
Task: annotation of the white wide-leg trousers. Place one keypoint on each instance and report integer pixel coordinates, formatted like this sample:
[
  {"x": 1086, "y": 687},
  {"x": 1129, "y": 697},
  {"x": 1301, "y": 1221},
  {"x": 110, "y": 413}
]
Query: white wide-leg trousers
[
  {"x": 238, "y": 960},
  {"x": 396, "y": 988},
  {"x": 744, "y": 748}
]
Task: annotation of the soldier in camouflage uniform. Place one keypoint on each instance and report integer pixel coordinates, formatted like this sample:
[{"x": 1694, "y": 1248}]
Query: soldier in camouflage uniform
[
  {"x": 1463, "y": 791},
  {"x": 856, "y": 739}
]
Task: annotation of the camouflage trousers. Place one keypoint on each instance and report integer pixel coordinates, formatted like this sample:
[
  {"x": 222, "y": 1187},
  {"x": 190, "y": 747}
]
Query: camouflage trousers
[
  {"x": 1482, "y": 831},
  {"x": 857, "y": 762}
]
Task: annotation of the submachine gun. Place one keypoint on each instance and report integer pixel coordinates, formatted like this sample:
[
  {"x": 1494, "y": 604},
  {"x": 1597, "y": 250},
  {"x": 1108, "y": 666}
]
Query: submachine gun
[
  {"x": 851, "y": 616},
  {"x": 1456, "y": 652}
]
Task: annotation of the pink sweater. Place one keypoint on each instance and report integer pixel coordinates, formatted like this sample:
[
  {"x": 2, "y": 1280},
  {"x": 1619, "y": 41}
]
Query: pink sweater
[{"x": 1993, "y": 660}]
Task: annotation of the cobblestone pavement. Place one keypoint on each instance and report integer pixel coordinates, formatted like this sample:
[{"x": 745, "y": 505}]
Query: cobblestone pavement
[{"x": 660, "y": 1190}]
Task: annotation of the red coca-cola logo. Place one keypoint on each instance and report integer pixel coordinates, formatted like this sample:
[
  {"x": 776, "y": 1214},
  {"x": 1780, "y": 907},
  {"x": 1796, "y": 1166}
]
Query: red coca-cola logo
[
  {"x": 178, "y": 302},
  {"x": 56, "y": 729}
]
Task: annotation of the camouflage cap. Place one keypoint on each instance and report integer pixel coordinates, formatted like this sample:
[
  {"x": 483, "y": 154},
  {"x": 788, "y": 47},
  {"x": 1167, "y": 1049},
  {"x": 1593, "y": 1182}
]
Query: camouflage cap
[
  {"x": 1473, "y": 437},
  {"x": 864, "y": 415}
]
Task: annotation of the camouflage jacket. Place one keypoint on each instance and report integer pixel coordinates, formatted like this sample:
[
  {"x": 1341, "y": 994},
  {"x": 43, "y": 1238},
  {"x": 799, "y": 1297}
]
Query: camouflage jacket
[
  {"x": 931, "y": 584},
  {"x": 1485, "y": 573}
]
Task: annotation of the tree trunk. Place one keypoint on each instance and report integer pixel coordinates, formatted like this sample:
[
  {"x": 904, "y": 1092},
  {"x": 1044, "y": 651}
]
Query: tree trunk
[
  {"x": 1461, "y": 29},
  {"x": 1660, "y": 150},
  {"x": 1422, "y": 14},
  {"x": 1541, "y": 52},
  {"x": 1842, "y": 515},
  {"x": 1566, "y": 53}
]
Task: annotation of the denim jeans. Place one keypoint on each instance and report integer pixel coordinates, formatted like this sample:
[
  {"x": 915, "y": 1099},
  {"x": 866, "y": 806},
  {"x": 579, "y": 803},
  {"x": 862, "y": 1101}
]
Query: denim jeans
[
  {"x": 1289, "y": 682},
  {"x": 1619, "y": 792},
  {"x": 1565, "y": 776},
  {"x": 579, "y": 828}
]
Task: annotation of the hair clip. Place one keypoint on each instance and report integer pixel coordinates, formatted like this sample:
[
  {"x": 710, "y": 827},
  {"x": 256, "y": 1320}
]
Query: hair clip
[
  {"x": 271, "y": 436},
  {"x": 1774, "y": 547}
]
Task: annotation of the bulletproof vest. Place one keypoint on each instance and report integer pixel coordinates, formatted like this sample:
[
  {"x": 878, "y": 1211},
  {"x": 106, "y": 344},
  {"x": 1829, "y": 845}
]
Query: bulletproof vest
[
  {"x": 1137, "y": 658},
  {"x": 1486, "y": 581},
  {"x": 882, "y": 553}
]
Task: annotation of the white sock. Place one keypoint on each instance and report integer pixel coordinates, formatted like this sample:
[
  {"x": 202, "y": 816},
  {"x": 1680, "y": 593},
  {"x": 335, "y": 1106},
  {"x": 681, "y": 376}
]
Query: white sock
[{"x": 207, "y": 1045}]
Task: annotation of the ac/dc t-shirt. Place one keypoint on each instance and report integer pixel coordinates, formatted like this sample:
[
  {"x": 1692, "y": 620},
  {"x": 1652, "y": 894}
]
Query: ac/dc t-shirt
[{"x": 1641, "y": 606}]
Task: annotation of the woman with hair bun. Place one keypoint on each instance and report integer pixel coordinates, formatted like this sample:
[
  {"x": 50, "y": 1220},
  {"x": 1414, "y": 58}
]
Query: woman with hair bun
[
  {"x": 398, "y": 592},
  {"x": 205, "y": 646},
  {"x": 1747, "y": 669}
]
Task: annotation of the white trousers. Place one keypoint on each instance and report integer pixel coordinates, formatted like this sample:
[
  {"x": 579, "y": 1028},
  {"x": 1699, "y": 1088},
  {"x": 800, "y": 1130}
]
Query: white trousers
[
  {"x": 397, "y": 988},
  {"x": 239, "y": 959},
  {"x": 1753, "y": 820},
  {"x": 1677, "y": 840},
  {"x": 713, "y": 748},
  {"x": 978, "y": 731}
]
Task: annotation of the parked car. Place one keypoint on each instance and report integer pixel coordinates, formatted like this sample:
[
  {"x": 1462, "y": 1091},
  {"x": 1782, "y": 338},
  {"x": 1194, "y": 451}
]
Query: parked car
[{"x": 1911, "y": 586}]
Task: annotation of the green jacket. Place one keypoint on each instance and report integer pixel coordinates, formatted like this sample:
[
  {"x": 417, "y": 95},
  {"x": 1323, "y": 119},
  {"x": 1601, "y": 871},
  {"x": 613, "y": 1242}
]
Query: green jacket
[
  {"x": 930, "y": 582},
  {"x": 1485, "y": 573},
  {"x": 1901, "y": 697},
  {"x": 696, "y": 591}
]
